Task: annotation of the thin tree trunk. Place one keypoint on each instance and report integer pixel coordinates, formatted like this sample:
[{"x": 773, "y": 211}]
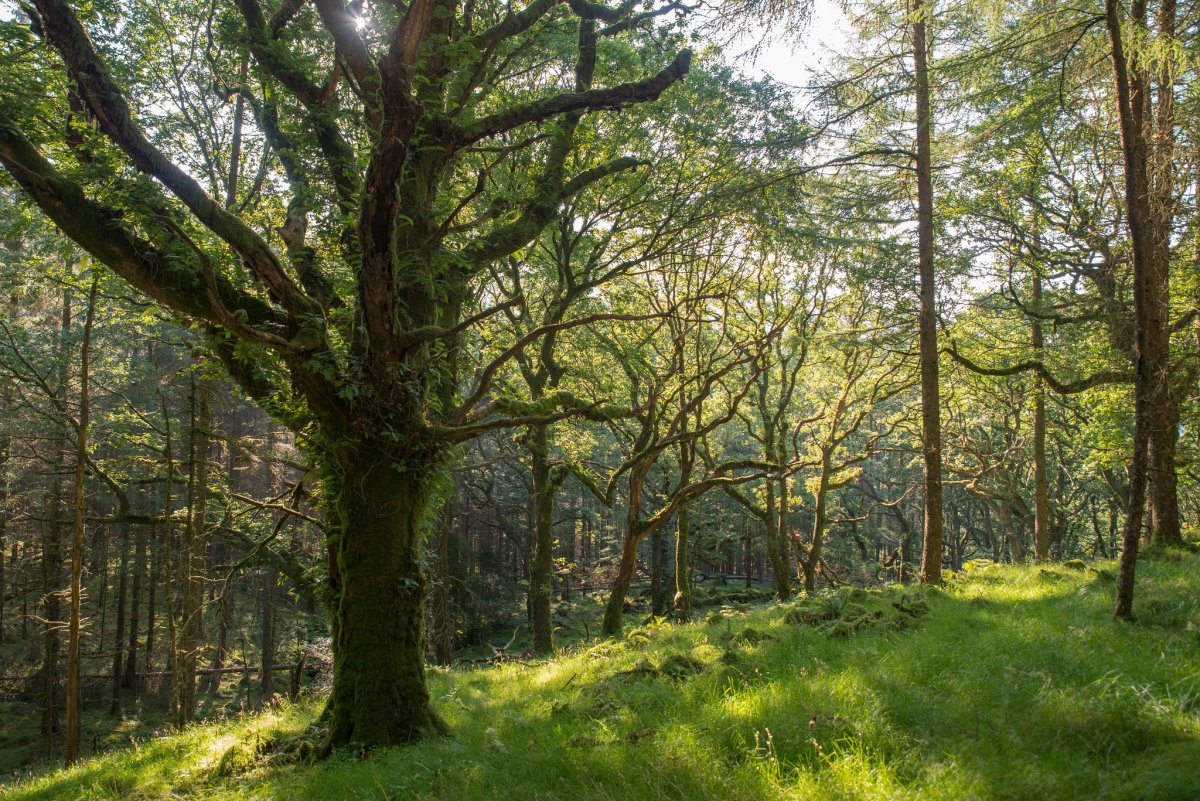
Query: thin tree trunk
[
  {"x": 1041, "y": 503},
  {"x": 931, "y": 429},
  {"x": 118, "y": 664},
  {"x": 443, "y": 617},
  {"x": 1150, "y": 365},
  {"x": 266, "y": 678},
  {"x": 190, "y": 629},
  {"x": 683, "y": 582},
  {"x": 541, "y": 564},
  {"x": 71, "y": 749},
  {"x": 135, "y": 605}
]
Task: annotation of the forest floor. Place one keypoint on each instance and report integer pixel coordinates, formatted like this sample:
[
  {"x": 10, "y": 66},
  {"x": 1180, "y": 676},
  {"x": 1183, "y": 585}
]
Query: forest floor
[{"x": 1009, "y": 683}]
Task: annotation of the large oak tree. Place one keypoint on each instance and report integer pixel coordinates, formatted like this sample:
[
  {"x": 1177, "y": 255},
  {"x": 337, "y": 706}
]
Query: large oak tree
[{"x": 332, "y": 287}]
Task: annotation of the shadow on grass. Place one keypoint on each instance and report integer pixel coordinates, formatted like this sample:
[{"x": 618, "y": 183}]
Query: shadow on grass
[{"x": 1017, "y": 685}]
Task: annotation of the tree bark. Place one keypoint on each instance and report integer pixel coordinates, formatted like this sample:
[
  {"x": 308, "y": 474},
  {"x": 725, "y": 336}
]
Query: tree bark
[
  {"x": 931, "y": 429},
  {"x": 266, "y": 677},
  {"x": 683, "y": 582},
  {"x": 129, "y": 680},
  {"x": 776, "y": 534},
  {"x": 379, "y": 692},
  {"x": 1163, "y": 424},
  {"x": 443, "y": 614},
  {"x": 71, "y": 748},
  {"x": 1041, "y": 502},
  {"x": 812, "y": 559},
  {"x": 1149, "y": 330},
  {"x": 192, "y": 561},
  {"x": 541, "y": 564},
  {"x": 119, "y": 656}
]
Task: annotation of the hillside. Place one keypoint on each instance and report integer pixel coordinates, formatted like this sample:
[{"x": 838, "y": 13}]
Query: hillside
[{"x": 1011, "y": 683}]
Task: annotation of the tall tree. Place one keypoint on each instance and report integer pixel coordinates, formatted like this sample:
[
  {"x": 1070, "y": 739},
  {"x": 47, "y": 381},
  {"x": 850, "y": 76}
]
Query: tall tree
[
  {"x": 931, "y": 429},
  {"x": 74, "y": 693},
  {"x": 344, "y": 334}
]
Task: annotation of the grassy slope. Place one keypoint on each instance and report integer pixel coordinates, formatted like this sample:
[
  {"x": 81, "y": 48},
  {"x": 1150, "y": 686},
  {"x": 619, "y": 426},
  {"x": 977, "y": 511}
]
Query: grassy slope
[{"x": 1016, "y": 685}]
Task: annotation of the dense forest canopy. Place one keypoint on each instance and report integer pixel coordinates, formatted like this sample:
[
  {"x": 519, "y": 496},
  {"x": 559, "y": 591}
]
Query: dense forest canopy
[{"x": 339, "y": 338}]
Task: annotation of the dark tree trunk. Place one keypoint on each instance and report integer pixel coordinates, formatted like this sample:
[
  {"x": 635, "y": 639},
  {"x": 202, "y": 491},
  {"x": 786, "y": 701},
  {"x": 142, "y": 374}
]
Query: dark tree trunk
[
  {"x": 658, "y": 589},
  {"x": 155, "y": 556},
  {"x": 443, "y": 615},
  {"x": 1150, "y": 330},
  {"x": 931, "y": 428},
  {"x": 1159, "y": 185},
  {"x": 1041, "y": 503},
  {"x": 129, "y": 680},
  {"x": 267, "y": 675},
  {"x": 541, "y": 564},
  {"x": 52, "y": 566},
  {"x": 190, "y": 629},
  {"x": 776, "y": 537},
  {"x": 5, "y": 448},
  {"x": 119, "y": 656},
  {"x": 379, "y": 692},
  {"x": 683, "y": 583}
]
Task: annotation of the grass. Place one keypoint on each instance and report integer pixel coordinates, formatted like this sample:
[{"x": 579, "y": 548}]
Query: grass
[{"x": 1011, "y": 683}]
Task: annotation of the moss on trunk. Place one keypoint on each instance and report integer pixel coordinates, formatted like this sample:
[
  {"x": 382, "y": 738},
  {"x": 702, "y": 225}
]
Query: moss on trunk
[{"x": 379, "y": 693}]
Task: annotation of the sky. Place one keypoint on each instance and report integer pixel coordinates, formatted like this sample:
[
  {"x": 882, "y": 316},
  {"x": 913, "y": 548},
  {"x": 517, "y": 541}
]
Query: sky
[{"x": 790, "y": 58}]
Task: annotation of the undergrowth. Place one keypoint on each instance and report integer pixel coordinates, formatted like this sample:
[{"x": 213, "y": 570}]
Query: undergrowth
[{"x": 1008, "y": 683}]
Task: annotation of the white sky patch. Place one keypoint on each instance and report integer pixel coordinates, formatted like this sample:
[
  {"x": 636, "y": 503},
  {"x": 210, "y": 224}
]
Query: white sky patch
[{"x": 791, "y": 57}]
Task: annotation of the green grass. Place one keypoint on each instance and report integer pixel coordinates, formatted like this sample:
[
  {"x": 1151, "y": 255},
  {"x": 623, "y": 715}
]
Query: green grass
[{"x": 1012, "y": 683}]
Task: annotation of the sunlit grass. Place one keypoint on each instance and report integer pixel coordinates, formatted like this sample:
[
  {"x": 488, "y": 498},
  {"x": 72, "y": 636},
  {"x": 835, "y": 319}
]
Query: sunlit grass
[{"x": 1017, "y": 684}]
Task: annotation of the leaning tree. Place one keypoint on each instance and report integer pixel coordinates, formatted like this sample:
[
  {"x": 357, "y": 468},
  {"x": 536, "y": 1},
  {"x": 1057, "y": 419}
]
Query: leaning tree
[{"x": 313, "y": 186}]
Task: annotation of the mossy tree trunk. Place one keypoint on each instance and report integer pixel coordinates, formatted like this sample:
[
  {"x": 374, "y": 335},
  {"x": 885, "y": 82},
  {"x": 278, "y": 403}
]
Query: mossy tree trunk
[
  {"x": 683, "y": 581},
  {"x": 379, "y": 697},
  {"x": 812, "y": 554},
  {"x": 405, "y": 224},
  {"x": 546, "y": 481}
]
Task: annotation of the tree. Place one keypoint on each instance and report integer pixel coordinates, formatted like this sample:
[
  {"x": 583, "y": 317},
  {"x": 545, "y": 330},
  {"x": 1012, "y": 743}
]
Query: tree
[
  {"x": 80, "y": 424},
  {"x": 931, "y": 436},
  {"x": 342, "y": 330}
]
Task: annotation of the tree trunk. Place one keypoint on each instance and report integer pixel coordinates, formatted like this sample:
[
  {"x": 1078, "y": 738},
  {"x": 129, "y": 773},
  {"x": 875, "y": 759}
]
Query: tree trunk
[
  {"x": 1160, "y": 186},
  {"x": 443, "y": 615},
  {"x": 52, "y": 563},
  {"x": 541, "y": 565},
  {"x": 119, "y": 656},
  {"x": 221, "y": 650},
  {"x": 658, "y": 590},
  {"x": 1150, "y": 337},
  {"x": 74, "y": 732},
  {"x": 379, "y": 692},
  {"x": 812, "y": 559},
  {"x": 615, "y": 608},
  {"x": 1041, "y": 503},
  {"x": 129, "y": 680},
  {"x": 190, "y": 636},
  {"x": 266, "y": 675},
  {"x": 776, "y": 524},
  {"x": 683, "y": 582},
  {"x": 931, "y": 428},
  {"x": 5, "y": 450}
]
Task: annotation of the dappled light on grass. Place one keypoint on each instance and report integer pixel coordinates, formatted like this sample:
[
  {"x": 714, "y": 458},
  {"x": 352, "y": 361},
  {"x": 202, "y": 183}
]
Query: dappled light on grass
[{"x": 1015, "y": 684}]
